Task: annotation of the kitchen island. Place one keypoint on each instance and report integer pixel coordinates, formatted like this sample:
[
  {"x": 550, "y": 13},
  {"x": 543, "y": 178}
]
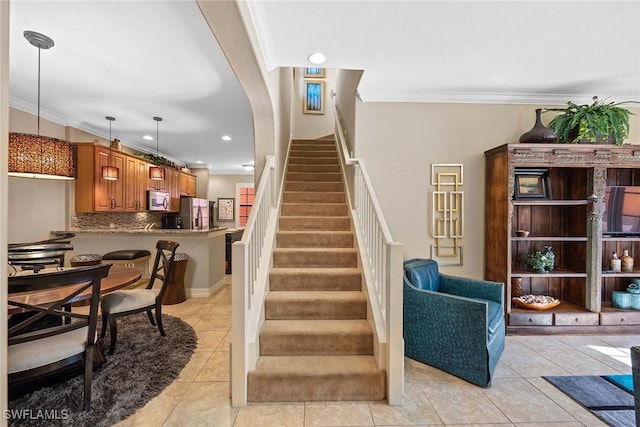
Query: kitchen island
[{"x": 205, "y": 272}]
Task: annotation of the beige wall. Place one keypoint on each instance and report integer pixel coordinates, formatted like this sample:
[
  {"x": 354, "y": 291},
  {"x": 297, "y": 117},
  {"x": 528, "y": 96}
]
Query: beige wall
[
  {"x": 311, "y": 126},
  {"x": 346, "y": 87},
  {"x": 225, "y": 186},
  {"x": 400, "y": 141}
]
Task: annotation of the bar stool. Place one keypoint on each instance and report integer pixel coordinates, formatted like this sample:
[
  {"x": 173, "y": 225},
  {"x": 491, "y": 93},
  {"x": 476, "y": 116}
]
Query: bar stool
[
  {"x": 85, "y": 259},
  {"x": 130, "y": 258},
  {"x": 175, "y": 292}
]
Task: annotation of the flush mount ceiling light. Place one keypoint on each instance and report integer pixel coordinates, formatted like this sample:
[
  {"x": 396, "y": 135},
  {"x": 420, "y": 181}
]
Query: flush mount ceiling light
[
  {"x": 148, "y": 137},
  {"x": 249, "y": 166},
  {"x": 36, "y": 156},
  {"x": 156, "y": 173},
  {"x": 110, "y": 173},
  {"x": 226, "y": 138},
  {"x": 317, "y": 58}
]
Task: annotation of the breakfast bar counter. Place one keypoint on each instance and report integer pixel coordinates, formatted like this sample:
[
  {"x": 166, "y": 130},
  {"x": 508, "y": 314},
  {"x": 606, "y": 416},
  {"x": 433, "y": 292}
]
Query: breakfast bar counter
[{"x": 205, "y": 271}]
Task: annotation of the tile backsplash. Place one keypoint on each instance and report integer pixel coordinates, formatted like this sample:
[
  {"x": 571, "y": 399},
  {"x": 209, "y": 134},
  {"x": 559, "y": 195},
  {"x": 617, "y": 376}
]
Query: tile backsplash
[{"x": 130, "y": 220}]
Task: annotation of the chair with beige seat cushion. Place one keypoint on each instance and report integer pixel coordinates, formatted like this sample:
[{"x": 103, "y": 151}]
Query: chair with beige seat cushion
[
  {"x": 40, "y": 350},
  {"x": 125, "y": 302}
]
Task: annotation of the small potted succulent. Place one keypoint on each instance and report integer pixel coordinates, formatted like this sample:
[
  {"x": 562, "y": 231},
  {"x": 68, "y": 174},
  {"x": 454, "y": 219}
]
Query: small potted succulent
[{"x": 599, "y": 122}]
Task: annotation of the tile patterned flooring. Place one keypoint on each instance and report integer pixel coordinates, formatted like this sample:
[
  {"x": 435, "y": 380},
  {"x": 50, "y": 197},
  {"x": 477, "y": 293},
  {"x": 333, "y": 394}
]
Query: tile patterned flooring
[{"x": 519, "y": 395}]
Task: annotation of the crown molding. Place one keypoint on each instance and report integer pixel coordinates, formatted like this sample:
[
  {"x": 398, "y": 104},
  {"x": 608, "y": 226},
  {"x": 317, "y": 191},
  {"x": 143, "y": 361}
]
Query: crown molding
[
  {"x": 480, "y": 97},
  {"x": 30, "y": 108},
  {"x": 259, "y": 21}
]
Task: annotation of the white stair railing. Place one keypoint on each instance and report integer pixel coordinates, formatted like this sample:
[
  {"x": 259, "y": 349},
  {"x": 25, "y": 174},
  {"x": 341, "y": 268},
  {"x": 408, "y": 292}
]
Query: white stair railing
[
  {"x": 251, "y": 258},
  {"x": 381, "y": 264}
]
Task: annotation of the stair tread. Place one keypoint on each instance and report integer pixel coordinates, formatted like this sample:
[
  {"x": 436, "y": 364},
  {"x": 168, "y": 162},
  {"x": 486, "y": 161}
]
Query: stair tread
[
  {"x": 315, "y": 249},
  {"x": 316, "y": 270},
  {"x": 316, "y": 327},
  {"x": 311, "y": 232},
  {"x": 316, "y": 365},
  {"x": 315, "y": 296}
]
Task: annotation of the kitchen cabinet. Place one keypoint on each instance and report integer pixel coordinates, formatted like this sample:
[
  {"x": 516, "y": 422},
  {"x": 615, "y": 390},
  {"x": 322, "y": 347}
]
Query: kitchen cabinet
[
  {"x": 92, "y": 193},
  {"x": 567, "y": 215},
  {"x": 136, "y": 176},
  {"x": 172, "y": 177},
  {"x": 187, "y": 184}
]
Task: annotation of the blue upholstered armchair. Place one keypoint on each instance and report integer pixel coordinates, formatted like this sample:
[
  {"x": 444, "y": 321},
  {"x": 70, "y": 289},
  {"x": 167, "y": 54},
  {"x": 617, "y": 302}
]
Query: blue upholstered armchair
[{"x": 453, "y": 323}]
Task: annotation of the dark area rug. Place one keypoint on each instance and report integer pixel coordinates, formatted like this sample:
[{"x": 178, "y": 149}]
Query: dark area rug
[
  {"x": 605, "y": 399},
  {"x": 144, "y": 363}
]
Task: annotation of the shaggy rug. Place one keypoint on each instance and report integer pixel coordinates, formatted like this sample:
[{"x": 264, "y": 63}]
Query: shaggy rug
[
  {"x": 144, "y": 363},
  {"x": 605, "y": 398}
]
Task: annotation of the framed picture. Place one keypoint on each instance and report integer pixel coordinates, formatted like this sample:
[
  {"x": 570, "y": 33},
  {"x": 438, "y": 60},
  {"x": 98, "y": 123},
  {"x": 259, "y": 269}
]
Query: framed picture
[
  {"x": 226, "y": 209},
  {"x": 532, "y": 184},
  {"x": 314, "y": 72},
  {"x": 313, "y": 97}
]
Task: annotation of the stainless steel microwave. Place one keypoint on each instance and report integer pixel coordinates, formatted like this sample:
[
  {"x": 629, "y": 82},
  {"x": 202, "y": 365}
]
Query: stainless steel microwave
[{"x": 157, "y": 200}]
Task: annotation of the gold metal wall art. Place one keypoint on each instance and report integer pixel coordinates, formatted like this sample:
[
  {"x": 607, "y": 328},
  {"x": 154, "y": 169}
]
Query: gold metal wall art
[{"x": 447, "y": 213}]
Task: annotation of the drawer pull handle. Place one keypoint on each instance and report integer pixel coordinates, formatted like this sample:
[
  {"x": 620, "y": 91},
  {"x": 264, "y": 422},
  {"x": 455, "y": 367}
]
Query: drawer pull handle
[{"x": 577, "y": 320}]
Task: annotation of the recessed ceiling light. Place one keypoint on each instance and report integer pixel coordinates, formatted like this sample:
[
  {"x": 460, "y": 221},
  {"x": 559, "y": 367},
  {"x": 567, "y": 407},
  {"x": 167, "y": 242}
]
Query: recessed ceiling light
[
  {"x": 226, "y": 138},
  {"x": 248, "y": 167},
  {"x": 199, "y": 161},
  {"x": 317, "y": 58},
  {"x": 148, "y": 137}
]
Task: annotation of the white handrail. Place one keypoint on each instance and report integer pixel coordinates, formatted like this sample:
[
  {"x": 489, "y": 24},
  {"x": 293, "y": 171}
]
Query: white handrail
[
  {"x": 250, "y": 266},
  {"x": 382, "y": 266}
]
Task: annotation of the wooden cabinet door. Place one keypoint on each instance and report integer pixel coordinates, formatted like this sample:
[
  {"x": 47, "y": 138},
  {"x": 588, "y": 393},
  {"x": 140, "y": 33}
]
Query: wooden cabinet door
[
  {"x": 136, "y": 184},
  {"x": 172, "y": 177},
  {"x": 109, "y": 195},
  {"x": 187, "y": 184}
]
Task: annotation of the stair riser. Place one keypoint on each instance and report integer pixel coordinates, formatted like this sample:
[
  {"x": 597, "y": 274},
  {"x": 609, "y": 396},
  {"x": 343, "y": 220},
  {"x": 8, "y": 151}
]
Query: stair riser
[
  {"x": 297, "y": 160},
  {"x": 314, "y": 209},
  {"x": 300, "y": 388},
  {"x": 313, "y": 147},
  {"x": 313, "y": 186},
  {"x": 307, "y": 310},
  {"x": 316, "y": 344},
  {"x": 313, "y": 168},
  {"x": 309, "y": 153},
  {"x": 307, "y": 259},
  {"x": 305, "y": 240},
  {"x": 314, "y": 176},
  {"x": 301, "y": 197},
  {"x": 315, "y": 282},
  {"x": 314, "y": 223}
]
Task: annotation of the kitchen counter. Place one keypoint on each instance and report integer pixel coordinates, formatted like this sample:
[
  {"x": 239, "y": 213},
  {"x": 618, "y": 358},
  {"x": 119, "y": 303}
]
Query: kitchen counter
[
  {"x": 160, "y": 231},
  {"x": 205, "y": 272}
]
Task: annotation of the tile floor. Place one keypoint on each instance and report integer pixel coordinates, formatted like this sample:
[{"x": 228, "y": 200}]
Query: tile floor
[{"x": 519, "y": 395}]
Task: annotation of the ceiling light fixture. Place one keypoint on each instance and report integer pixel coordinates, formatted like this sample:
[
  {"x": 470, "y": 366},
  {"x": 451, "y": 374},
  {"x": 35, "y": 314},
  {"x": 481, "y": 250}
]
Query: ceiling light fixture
[
  {"x": 226, "y": 138},
  {"x": 110, "y": 173},
  {"x": 36, "y": 156},
  {"x": 156, "y": 173},
  {"x": 147, "y": 138},
  {"x": 249, "y": 166},
  {"x": 317, "y": 58}
]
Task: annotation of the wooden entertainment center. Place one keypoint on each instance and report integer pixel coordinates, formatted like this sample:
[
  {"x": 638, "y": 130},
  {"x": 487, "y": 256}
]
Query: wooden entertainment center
[{"x": 565, "y": 212}]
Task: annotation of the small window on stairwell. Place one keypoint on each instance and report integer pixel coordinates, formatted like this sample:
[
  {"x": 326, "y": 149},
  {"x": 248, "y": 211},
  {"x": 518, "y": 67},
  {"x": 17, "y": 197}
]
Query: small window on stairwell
[{"x": 245, "y": 203}]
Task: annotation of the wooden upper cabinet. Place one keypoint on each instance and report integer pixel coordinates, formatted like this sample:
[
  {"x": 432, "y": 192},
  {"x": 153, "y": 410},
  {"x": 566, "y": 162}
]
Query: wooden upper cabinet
[
  {"x": 92, "y": 193},
  {"x": 136, "y": 184},
  {"x": 172, "y": 178},
  {"x": 129, "y": 192},
  {"x": 187, "y": 184}
]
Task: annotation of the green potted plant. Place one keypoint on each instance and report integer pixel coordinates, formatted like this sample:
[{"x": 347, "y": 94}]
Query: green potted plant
[
  {"x": 538, "y": 261},
  {"x": 598, "y": 122}
]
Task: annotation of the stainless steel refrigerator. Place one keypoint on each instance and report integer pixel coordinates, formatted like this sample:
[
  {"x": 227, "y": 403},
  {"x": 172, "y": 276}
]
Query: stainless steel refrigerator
[{"x": 194, "y": 213}]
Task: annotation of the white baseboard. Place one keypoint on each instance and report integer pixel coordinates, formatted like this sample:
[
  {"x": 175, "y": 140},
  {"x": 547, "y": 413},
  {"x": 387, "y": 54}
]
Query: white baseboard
[{"x": 206, "y": 292}]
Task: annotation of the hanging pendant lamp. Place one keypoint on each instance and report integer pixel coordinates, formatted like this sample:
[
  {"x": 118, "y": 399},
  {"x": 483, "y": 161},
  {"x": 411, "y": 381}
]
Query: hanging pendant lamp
[
  {"x": 36, "y": 156},
  {"x": 156, "y": 173},
  {"x": 110, "y": 173}
]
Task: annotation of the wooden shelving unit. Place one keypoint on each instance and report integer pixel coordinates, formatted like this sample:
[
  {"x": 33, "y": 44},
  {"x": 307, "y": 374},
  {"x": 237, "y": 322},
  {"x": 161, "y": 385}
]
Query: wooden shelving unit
[{"x": 570, "y": 221}]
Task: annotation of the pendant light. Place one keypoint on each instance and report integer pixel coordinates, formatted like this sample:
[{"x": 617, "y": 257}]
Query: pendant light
[
  {"x": 110, "y": 173},
  {"x": 156, "y": 173},
  {"x": 36, "y": 156}
]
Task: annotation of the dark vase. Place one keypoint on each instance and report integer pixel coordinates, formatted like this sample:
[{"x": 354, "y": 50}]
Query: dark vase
[{"x": 539, "y": 133}]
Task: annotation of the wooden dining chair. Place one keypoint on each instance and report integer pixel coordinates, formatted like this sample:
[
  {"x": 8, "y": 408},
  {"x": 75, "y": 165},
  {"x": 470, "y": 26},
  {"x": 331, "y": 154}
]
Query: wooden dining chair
[
  {"x": 130, "y": 301},
  {"x": 40, "y": 351}
]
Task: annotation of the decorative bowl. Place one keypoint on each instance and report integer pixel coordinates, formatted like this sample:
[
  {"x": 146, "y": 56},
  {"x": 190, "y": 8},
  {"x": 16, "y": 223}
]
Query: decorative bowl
[
  {"x": 536, "y": 302},
  {"x": 522, "y": 233}
]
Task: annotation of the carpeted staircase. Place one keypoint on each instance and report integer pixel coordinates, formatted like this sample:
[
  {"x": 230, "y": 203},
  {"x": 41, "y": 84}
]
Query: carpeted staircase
[{"x": 316, "y": 342}]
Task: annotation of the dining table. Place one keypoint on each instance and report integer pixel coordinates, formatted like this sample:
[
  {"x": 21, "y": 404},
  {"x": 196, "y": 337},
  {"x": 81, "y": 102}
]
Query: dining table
[{"x": 119, "y": 277}]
